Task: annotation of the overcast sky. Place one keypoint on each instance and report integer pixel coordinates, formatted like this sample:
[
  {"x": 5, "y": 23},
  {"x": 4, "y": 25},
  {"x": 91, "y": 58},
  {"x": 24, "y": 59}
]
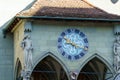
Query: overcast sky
[
  {"x": 107, "y": 5},
  {"x": 9, "y": 8}
]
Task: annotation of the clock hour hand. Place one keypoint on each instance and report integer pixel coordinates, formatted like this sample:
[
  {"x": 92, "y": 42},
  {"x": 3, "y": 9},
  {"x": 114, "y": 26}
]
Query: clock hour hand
[{"x": 67, "y": 40}]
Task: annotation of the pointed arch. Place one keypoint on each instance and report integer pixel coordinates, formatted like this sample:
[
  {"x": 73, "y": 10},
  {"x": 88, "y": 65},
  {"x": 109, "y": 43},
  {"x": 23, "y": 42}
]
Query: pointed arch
[
  {"x": 100, "y": 58},
  {"x": 18, "y": 68},
  {"x": 51, "y": 55},
  {"x": 97, "y": 67},
  {"x": 51, "y": 63}
]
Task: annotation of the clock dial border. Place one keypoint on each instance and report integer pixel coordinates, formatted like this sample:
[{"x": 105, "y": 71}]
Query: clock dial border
[{"x": 82, "y": 36}]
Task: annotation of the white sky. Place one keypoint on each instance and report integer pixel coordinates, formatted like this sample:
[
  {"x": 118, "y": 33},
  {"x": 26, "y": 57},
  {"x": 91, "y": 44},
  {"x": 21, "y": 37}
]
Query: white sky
[
  {"x": 9, "y": 8},
  {"x": 107, "y": 5}
]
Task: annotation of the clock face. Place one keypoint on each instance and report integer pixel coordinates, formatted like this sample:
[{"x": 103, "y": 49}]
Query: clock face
[
  {"x": 72, "y": 44},
  {"x": 117, "y": 77}
]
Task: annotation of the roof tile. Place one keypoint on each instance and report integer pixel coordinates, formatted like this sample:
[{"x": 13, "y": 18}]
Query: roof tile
[{"x": 66, "y": 8}]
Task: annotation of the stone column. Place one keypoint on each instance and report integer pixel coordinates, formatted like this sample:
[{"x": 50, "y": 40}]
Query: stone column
[{"x": 116, "y": 48}]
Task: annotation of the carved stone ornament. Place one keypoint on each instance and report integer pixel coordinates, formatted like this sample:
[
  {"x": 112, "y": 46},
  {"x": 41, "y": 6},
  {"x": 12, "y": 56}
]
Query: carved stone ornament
[
  {"x": 25, "y": 74},
  {"x": 116, "y": 50},
  {"x": 117, "y": 77},
  {"x": 117, "y": 29},
  {"x": 28, "y": 27},
  {"x": 26, "y": 44},
  {"x": 73, "y": 75}
]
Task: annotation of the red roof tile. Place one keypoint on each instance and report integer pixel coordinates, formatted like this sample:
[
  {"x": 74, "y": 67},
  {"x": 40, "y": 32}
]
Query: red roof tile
[{"x": 66, "y": 8}]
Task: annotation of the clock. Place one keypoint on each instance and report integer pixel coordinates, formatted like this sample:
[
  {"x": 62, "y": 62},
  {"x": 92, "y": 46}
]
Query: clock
[
  {"x": 72, "y": 44},
  {"x": 117, "y": 77}
]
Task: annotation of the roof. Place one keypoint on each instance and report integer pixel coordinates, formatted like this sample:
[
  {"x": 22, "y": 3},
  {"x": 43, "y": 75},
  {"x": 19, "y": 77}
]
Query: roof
[
  {"x": 66, "y": 8},
  {"x": 62, "y": 10}
]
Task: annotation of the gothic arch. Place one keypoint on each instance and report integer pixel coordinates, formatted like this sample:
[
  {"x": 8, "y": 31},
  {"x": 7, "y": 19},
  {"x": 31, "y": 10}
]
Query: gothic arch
[
  {"x": 100, "y": 58},
  {"x": 50, "y": 54},
  {"x": 18, "y": 68},
  {"x": 97, "y": 59}
]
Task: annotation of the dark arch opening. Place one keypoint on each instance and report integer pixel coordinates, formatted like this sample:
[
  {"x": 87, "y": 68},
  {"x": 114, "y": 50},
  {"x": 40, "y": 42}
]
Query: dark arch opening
[
  {"x": 18, "y": 70},
  {"x": 95, "y": 69},
  {"x": 48, "y": 69}
]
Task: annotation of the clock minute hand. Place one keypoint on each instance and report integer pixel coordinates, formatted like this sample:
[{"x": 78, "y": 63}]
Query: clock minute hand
[
  {"x": 68, "y": 41},
  {"x": 85, "y": 48}
]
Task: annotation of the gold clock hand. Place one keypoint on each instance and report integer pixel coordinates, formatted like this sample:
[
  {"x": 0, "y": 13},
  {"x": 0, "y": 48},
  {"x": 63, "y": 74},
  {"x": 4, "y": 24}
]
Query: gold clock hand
[
  {"x": 67, "y": 40},
  {"x": 70, "y": 42},
  {"x": 85, "y": 48},
  {"x": 73, "y": 44}
]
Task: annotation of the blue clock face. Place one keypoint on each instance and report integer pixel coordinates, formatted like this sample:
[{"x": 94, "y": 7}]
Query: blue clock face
[{"x": 72, "y": 44}]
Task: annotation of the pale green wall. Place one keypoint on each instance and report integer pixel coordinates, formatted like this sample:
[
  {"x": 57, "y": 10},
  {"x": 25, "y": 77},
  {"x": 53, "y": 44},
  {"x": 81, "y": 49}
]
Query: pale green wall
[
  {"x": 100, "y": 36},
  {"x": 6, "y": 57},
  {"x": 45, "y": 35}
]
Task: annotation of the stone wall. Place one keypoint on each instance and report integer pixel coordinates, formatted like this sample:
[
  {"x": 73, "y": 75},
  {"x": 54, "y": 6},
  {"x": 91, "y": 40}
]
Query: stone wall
[
  {"x": 44, "y": 35},
  {"x": 100, "y": 36},
  {"x": 6, "y": 57}
]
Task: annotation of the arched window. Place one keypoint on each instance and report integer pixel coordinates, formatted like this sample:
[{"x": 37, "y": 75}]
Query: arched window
[{"x": 18, "y": 69}]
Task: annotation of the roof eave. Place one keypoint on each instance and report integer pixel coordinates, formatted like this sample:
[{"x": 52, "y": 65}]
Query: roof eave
[
  {"x": 10, "y": 24},
  {"x": 69, "y": 18},
  {"x": 17, "y": 18}
]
